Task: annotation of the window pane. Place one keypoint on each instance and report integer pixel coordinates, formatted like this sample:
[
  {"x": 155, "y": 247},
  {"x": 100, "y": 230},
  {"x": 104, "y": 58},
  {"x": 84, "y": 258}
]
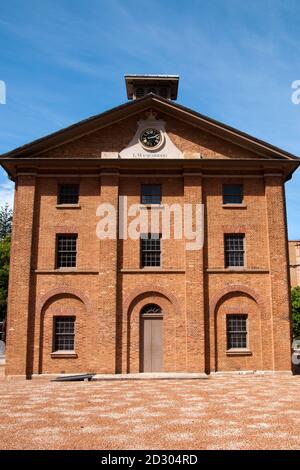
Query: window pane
[
  {"x": 64, "y": 333},
  {"x": 232, "y": 193},
  {"x": 236, "y": 331},
  {"x": 150, "y": 308},
  {"x": 66, "y": 251},
  {"x": 150, "y": 250},
  {"x": 151, "y": 194},
  {"x": 68, "y": 194},
  {"x": 234, "y": 250}
]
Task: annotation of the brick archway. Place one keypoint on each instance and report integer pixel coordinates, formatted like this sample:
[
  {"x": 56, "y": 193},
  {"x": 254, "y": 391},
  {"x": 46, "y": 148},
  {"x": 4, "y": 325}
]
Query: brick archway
[
  {"x": 65, "y": 291},
  {"x": 255, "y": 309},
  {"x": 137, "y": 294},
  {"x": 65, "y": 301},
  {"x": 236, "y": 289}
]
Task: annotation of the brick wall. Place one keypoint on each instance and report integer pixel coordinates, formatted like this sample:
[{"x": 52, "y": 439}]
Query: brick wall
[
  {"x": 108, "y": 290},
  {"x": 18, "y": 319},
  {"x": 117, "y": 136}
]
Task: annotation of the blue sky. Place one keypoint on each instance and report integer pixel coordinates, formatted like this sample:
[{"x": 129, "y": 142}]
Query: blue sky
[{"x": 64, "y": 60}]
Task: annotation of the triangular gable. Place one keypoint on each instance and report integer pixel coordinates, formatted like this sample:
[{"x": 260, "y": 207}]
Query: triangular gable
[{"x": 198, "y": 134}]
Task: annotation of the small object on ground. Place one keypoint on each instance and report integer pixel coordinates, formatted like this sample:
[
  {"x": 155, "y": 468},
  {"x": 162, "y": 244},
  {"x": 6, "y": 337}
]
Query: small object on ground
[{"x": 73, "y": 378}]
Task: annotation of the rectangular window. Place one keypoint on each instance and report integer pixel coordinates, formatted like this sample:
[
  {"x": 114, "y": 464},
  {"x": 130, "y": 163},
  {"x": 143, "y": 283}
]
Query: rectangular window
[
  {"x": 66, "y": 251},
  {"x": 236, "y": 331},
  {"x": 64, "y": 334},
  {"x": 150, "y": 250},
  {"x": 68, "y": 194},
  {"x": 151, "y": 194},
  {"x": 233, "y": 194},
  {"x": 234, "y": 250}
]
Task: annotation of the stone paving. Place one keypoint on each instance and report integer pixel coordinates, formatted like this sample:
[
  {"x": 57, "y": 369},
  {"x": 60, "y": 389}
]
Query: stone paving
[{"x": 242, "y": 412}]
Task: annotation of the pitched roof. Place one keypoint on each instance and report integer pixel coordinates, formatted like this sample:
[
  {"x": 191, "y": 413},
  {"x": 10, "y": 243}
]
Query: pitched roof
[{"x": 176, "y": 110}]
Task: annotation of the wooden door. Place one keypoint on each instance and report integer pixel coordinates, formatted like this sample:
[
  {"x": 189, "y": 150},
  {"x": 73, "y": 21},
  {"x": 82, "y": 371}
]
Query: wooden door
[{"x": 152, "y": 344}]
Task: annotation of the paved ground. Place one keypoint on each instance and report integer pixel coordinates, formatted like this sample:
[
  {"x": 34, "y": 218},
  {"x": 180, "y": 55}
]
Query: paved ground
[{"x": 221, "y": 413}]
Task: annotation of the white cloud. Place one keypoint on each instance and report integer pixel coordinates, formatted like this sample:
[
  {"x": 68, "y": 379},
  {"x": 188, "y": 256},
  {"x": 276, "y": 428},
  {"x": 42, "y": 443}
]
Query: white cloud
[{"x": 7, "y": 193}]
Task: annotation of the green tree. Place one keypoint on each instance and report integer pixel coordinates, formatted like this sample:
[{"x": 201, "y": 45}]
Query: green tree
[
  {"x": 5, "y": 221},
  {"x": 5, "y": 232},
  {"x": 296, "y": 311},
  {"x": 4, "y": 272}
]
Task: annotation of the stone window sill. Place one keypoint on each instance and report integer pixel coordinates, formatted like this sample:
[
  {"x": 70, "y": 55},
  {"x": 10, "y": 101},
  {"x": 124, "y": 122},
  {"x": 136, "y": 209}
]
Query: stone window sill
[
  {"x": 239, "y": 352},
  {"x": 152, "y": 206},
  {"x": 234, "y": 206},
  {"x": 237, "y": 270},
  {"x": 68, "y": 206},
  {"x": 66, "y": 271},
  {"x": 151, "y": 270},
  {"x": 64, "y": 354}
]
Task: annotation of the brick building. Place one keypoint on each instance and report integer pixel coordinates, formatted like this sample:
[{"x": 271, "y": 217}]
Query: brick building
[
  {"x": 79, "y": 303},
  {"x": 294, "y": 252}
]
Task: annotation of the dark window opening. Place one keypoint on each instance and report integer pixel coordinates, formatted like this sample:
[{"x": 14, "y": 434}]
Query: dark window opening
[
  {"x": 233, "y": 194},
  {"x": 151, "y": 194},
  {"x": 151, "y": 309},
  {"x": 64, "y": 334},
  {"x": 164, "y": 92},
  {"x": 234, "y": 250},
  {"x": 68, "y": 194},
  {"x": 236, "y": 331},
  {"x": 139, "y": 92},
  {"x": 66, "y": 251},
  {"x": 150, "y": 250}
]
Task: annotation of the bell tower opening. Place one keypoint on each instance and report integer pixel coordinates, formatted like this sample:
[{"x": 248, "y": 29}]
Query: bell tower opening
[{"x": 165, "y": 86}]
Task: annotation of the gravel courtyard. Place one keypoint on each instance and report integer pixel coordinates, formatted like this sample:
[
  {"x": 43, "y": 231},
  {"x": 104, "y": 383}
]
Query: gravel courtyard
[{"x": 244, "y": 412}]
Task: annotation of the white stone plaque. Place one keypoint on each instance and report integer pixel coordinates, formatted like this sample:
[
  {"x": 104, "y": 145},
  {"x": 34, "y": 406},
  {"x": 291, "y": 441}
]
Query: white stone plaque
[{"x": 166, "y": 149}]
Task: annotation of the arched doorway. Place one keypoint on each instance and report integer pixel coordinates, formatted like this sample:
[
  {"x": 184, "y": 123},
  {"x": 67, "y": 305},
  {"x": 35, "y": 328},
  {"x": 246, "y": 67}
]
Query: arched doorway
[
  {"x": 151, "y": 338},
  {"x": 174, "y": 330}
]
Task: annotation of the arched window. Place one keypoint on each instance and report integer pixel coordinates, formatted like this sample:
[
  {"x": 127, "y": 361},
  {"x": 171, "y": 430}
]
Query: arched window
[{"x": 151, "y": 309}]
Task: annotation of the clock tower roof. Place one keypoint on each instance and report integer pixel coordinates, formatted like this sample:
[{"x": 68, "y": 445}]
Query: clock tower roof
[{"x": 165, "y": 86}]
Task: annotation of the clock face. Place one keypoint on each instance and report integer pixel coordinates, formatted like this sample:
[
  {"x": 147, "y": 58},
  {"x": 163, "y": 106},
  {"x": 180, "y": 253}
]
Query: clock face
[{"x": 151, "y": 138}]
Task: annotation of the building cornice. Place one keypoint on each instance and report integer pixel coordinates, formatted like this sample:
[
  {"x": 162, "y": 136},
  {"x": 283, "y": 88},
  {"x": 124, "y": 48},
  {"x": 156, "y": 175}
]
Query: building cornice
[{"x": 208, "y": 168}]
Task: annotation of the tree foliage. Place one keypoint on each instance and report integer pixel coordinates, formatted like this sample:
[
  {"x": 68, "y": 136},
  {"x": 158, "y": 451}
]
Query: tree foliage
[
  {"x": 4, "y": 271},
  {"x": 296, "y": 311},
  {"x": 5, "y": 232},
  {"x": 5, "y": 221}
]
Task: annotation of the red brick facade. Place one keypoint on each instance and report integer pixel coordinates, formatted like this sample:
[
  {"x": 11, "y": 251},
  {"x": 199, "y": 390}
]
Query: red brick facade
[{"x": 108, "y": 289}]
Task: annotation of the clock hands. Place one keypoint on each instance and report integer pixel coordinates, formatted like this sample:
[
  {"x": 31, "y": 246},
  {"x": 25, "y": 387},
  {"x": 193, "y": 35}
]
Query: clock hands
[{"x": 150, "y": 138}]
